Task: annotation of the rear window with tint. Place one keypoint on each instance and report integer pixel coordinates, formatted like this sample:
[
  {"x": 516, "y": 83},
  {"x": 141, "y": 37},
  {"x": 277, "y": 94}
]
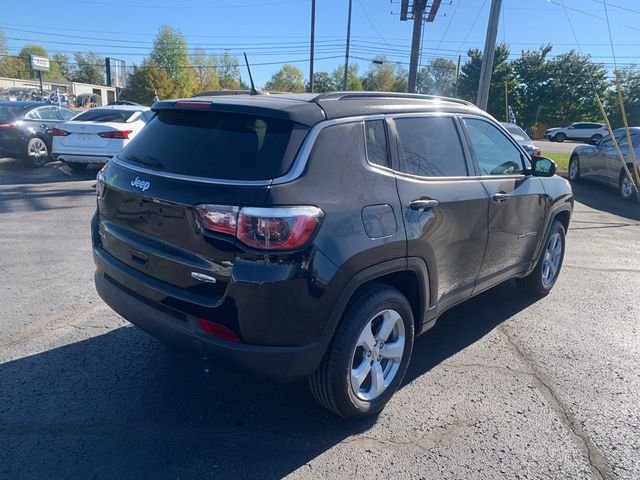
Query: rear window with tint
[
  {"x": 10, "y": 112},
  {"x": 216, "y": 145},
  {"x": 110, "y": 115}
]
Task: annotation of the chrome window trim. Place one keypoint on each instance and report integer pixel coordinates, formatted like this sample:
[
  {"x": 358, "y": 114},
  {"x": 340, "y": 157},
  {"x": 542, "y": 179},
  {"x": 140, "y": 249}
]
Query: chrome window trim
[
  {"x": 299, "y": 162},
  {"x": 366, "y": 148}
]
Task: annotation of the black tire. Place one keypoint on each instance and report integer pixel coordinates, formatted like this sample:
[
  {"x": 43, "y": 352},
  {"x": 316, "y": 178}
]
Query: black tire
[
  {"x": 38, "y": 151},
  {"x": 559, "y": 137},
  {"x": 331, "y": 383},
  {"x": 574, "y": 168},
  {"x": 625, "y": 189},
  {"x": 76, "y": 166},
  {"x": 597, "y": 137},
  {"x": 535, "y": 283}
]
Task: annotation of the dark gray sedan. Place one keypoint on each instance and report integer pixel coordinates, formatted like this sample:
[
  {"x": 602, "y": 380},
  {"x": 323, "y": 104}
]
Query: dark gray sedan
[
  {"x": 25, "y": 129},
  {"x": 599, "y": 161}
]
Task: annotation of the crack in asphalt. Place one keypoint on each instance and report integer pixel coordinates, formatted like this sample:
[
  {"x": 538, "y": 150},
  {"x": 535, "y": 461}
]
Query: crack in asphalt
[{"x": 597, "y": 461}]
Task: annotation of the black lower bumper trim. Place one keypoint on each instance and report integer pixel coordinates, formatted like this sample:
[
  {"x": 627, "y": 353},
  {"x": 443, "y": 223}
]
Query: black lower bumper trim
[{"x": 277, "y": 363}]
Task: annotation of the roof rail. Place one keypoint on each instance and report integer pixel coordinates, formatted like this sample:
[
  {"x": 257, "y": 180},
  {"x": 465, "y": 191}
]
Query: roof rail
[
  {"x": 356, "y": 95},
  {"x": 224, "y": 93}
]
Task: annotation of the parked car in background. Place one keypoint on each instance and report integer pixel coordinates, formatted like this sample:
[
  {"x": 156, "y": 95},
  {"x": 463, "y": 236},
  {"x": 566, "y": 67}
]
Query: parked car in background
[
  {"x": 600, "y": 162},
  {"x": 577, "y": 131},
  {"x": 25, "y": 129},
  {"x": 302, "y": 235},
  {"x": 520, "y": 136},
  {"x": 96, "y": 135}
]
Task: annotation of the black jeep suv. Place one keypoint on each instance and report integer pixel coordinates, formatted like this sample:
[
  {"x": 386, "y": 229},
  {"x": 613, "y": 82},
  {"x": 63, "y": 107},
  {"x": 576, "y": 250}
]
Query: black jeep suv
[{"x": 316, "y": 235}]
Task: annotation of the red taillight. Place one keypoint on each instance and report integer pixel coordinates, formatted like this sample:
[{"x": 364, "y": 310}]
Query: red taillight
[
  {"x": 116, "y": 134},
  {"x": 5, "y": 126},
  {"x": 276, "y": 228},
  {"x": 193, "y": 104},
  {"x": 218, "y": 218},
  {"x": 219, "y": 331},
  {"x": 283, "y": 228},
  {"x": 58, "y": 132}
]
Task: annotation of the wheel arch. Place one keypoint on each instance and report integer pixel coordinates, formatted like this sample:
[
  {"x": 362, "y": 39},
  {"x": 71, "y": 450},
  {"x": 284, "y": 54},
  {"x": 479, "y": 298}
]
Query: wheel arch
[{"x": 410, "y": 276}]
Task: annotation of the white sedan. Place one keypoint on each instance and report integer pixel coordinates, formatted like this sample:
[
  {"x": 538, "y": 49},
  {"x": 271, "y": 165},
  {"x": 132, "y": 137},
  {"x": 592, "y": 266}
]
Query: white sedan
[{"x": 96, "y": 135}]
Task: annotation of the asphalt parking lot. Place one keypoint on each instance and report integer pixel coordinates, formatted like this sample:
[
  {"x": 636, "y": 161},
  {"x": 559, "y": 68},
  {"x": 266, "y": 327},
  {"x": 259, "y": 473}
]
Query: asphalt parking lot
[{"x": 505, "y": 386}]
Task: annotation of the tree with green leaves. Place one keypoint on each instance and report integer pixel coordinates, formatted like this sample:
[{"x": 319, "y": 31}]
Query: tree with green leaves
[
  {"x": 147, "y": 80},
  {"x": 89, "y": 68},
  {"x": 287, "y": 79},
  {"x": 575, "y": 81},
  {"x": 229, "y": 72},
  {"x": 322, "y": 82},
  {"x": 206, "y": 67},
  {"x": 533, "y": 73},
  {"x": 381, "y": 75},
  {"x": 437, "y": 78},
  {"x": 354, "y": 82},
  {"x": 501, "y": 75},
  {"x": 64, "y": 65},
  {"x": 170, "y": 53},
  {"x": 630, "y": 85}
]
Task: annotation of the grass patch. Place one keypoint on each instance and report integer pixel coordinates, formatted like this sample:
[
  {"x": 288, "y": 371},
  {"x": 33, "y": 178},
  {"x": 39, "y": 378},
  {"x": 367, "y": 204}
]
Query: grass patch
[{"x": 561, "y": 159}]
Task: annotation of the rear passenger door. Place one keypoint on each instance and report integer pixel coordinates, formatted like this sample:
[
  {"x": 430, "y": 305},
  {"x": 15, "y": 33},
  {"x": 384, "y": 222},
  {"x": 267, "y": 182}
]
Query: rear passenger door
[
  {"x": 518, "y": 203},
  {"x": 444, "y": 210}
]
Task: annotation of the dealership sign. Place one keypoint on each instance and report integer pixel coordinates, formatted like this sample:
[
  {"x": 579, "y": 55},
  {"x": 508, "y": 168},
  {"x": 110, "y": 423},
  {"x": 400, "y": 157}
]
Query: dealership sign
[{"x": 39, "y": 63}]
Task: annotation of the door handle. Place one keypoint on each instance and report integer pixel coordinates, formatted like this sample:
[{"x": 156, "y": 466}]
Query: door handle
[
  {"x": 501, "y": 197},
  {"x": 423, "y": 204}
]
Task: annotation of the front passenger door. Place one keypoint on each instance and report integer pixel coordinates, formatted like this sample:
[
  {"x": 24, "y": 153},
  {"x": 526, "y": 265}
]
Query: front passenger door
[{"x": 517, "y": 206}]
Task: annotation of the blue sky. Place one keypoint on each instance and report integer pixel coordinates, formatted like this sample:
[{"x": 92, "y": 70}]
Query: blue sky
[{"x": 275, "y": 32}]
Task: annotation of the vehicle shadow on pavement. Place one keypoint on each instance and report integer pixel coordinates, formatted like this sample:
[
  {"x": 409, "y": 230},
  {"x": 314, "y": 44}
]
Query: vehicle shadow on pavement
[
  {"x": 29, "y": 198},
  {"x": 14, "y": 171},
  {"x": 464, "y": 325},
  {"x": 123, "y": 405},
  {"x": 606, "y": 199}
]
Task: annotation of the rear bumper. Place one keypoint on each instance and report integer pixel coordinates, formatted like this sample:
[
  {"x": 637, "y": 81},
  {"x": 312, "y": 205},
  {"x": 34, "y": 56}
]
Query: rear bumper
[
  {"x": 280, "y": 363},
  {"x": 73, "y": 158}
]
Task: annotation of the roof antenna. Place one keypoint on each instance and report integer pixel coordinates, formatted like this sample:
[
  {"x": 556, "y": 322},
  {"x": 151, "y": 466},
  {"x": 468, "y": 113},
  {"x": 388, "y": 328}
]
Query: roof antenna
[{"x": 253, "y": 87}]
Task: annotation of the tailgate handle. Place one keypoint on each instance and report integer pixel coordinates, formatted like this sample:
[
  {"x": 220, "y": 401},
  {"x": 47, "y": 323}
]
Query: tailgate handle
[
  {"x": 139, "y": 257},
  {"x": 423, "y": 204}
]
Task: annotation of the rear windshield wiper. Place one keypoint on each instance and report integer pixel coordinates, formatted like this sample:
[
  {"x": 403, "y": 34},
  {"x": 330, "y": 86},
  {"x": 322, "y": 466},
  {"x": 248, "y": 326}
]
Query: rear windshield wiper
[{"x": 144, "y": 160}]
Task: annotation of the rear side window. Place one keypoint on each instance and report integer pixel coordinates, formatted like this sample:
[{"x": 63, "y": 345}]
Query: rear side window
[
  {"x": 104, "y": 115},
  {"x": 430, "y": 147},
  {"x": 216, "y": 145},
  {"x": 377, "y": 150}
]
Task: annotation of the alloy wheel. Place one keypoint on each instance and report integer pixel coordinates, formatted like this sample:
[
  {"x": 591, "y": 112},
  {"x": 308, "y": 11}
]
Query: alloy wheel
[
  {"x": 551, "y": 259},
  {"x": 377, "y": 355},
  {"x": 37, "y": 151}
]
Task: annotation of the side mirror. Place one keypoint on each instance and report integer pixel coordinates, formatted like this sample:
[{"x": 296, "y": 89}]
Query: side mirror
[
  {"x": 593, "y": 141},
  {"x": 543, "y": 167}
]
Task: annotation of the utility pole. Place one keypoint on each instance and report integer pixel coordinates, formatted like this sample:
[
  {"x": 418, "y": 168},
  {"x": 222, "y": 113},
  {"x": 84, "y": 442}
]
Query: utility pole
[
  {"x": 415, "y": 12},
  {"x": 457, "y": 75},
  {"x": 346, "y": 54},
  {"x": 418, "y": 13},
  {"x": 313, "y": 38},
  {"x": 488, "y": 54}
]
